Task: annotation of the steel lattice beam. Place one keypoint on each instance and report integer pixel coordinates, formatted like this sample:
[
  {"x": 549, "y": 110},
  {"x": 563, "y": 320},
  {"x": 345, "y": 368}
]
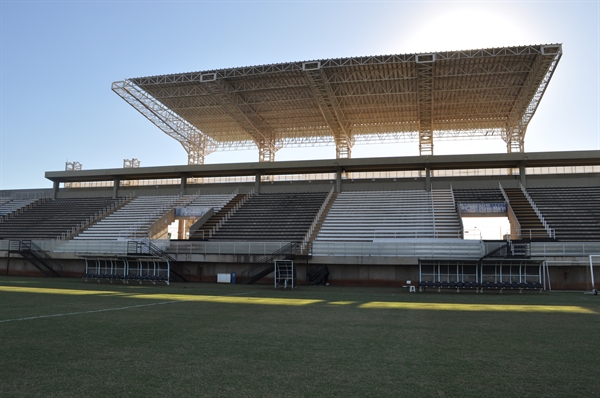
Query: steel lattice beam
[
  {"x": 330, "y": 110},
  {"x": 196, "y": 144},
  {"x": 391, "y": 98}
]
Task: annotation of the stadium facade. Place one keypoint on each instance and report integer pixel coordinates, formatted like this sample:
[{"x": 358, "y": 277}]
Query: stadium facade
[{"x": 394, "y": 221}]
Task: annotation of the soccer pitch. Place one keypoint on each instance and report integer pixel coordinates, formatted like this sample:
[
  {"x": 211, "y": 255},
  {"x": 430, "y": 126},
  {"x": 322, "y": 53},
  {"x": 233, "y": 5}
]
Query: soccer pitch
[{"x": 68, "y": 338}]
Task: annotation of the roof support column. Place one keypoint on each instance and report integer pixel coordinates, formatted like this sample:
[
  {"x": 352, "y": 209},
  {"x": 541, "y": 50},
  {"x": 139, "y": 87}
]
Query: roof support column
[
  {"x": 257, "y": 180},
  {"x": 266, "y": 153},
  {"x": 183, "y": 184},
  {"x": 116, "y": 186},
  {"x": 55, "y": 187},
  {"x": 425, "y": 64}
]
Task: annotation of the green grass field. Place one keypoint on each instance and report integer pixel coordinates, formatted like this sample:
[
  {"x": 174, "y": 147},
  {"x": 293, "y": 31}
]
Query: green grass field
[{"x": 68, "y": 338}]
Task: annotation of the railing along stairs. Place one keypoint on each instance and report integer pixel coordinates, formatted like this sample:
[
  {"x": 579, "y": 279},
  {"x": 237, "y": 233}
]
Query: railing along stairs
[
  {"x": 93, "y": 219},
  {"x": 249, "y": 276},
  {"x": 551, "y": 232},
  {"x": 230, "y": 213},
  {"x": 150, "y": 249},
  {"x": 36, "y": 256},
  {"x": 317, "y": 219},
  {"x": 515, "y": 225},
  {"x": 20, "y": 210}
]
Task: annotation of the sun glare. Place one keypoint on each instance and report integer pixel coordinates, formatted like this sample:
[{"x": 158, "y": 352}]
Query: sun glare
[{"x": 464, "y": 26}]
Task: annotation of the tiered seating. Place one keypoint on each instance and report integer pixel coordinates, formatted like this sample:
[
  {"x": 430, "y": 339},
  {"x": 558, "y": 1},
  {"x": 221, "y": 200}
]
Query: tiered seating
[
  {"x": 476, "y": 195},
  {"x": 52, "y": 218},
  {"x": 132, "y": 220},
  {"x": 215, "y": 201},
  {"x": 447, "y": 224},
  {"x": 573, "y": 212},
  {"x": 273, "y": 217},
  {"x": 368, "y": 216},
  {"x": 9, "y": 205}
]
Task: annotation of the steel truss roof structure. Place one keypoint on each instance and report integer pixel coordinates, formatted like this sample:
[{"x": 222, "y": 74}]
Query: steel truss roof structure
[{"x": 390, "y": 98}]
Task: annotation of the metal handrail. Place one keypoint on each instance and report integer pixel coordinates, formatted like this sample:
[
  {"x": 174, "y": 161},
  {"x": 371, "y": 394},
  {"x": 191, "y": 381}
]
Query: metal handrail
[
  {"x": 230, "y": 213},
  {"x": 551, "y": 232},
  {"x": 313, "y": 225}
]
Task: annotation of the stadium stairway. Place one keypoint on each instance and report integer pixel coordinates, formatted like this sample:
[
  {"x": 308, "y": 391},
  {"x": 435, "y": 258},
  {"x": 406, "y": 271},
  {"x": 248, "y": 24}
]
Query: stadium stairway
[
  {"x": 205, "y": 231},
  {"x": 531, "y": 226},
  {"x": 36, "y": 256},
  {"x": 446, "y": 222},
  {"x": 134, "y": 219},
  {"x": 147, "y": 248},
  {"x": 319, "y": 221},
  {"x": 266, "y": 265}
]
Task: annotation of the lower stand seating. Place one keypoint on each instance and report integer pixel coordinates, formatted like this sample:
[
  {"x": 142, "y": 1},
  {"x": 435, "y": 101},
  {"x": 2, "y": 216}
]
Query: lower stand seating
[
  {"x": 126, "y": 278},
  {"x": 423, "y": 285},
  {"x": 501, "y": 286}
]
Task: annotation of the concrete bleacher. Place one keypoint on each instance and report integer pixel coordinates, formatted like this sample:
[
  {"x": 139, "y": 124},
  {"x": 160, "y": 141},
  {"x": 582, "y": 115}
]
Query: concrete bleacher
[
  {"x": 215, "y": 201},
  {"x": 134, "y": 219},
  {"x": 478, "y": 195},
  {"x": 9, "y": 205},
  {"x": 272, "y": 217},
  {"x": 52, "y": 219},
  {"x": 369, "y": 216},
  {"x": 573, "y": 212}
]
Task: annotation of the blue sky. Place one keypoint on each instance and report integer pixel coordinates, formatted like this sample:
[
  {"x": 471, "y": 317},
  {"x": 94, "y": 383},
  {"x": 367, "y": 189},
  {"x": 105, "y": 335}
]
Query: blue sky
[{"x": 59, "y": 58}]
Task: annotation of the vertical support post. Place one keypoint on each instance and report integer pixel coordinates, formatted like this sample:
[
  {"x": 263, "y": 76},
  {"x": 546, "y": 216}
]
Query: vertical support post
[
  {"x": 116, "y": 185},
  {"x": 257, "y": 180},
  {"x": 55, "y": 187},
  {"x": 183, "y": 184},
  {"x": 592, "y": 271},
  {"x": 522, "y": 176},
  {"x": 425, "y": 76},
  {"x": 427, "y": 178},
  {"x": 338, "y": 180}
]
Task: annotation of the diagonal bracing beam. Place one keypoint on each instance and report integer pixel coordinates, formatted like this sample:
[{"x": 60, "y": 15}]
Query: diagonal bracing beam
[
  {"x": 333, "y": 115},
  {"x": 195, "y": 142},
  {"x": 529, "y": 97},
  {"x": 246, "y": 116}
]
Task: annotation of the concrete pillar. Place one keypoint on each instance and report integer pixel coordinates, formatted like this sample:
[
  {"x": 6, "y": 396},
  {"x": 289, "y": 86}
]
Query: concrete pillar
[
  {"x": 257, "y": 183},
  {"x": 116, "y": 185},
  {"x": 183, "y": 184},
  {"x": 427, "y": 178},
  {"x": 338, "y": 180},
  {"x": 522, "y": 175},
  {"x": 55, "y": 187}
]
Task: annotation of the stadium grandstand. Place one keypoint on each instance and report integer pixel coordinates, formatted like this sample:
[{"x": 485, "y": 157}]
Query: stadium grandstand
[{"x": 387, "y": 221}]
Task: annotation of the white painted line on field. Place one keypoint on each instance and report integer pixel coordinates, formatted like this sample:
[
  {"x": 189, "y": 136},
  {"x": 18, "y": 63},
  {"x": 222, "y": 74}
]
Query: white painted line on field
[
  {"x": 109, "y": 309},
  {"x": 88, "y": 312},
  {"x": 239, "y": 294}
]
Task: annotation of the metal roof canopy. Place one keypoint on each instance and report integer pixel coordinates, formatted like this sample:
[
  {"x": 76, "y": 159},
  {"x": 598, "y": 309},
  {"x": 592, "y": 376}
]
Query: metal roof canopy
[{"x": 390, "y": 98}]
